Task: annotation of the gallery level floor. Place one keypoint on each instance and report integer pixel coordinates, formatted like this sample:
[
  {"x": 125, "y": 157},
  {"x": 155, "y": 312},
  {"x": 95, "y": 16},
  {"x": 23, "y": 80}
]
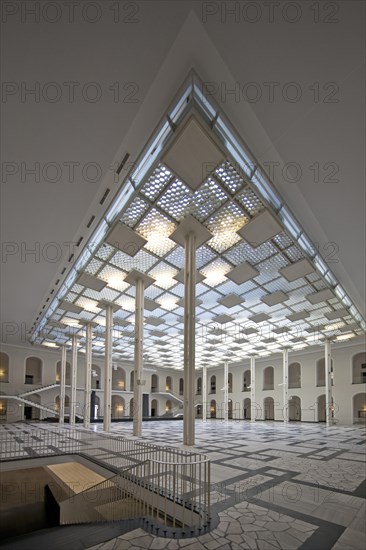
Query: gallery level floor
[{"x": 272, "y": 486}]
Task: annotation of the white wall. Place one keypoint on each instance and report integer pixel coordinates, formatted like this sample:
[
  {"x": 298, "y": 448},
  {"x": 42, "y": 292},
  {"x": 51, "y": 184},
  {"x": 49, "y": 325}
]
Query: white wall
[{"x": 343, "y": 388}]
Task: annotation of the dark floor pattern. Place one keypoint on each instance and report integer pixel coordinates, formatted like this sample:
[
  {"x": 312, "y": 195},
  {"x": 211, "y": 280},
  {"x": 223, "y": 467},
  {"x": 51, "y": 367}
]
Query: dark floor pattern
[{"x": 300, "y": 486}]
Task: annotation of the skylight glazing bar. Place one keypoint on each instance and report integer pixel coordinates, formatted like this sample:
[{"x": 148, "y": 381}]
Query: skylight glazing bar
[{"x": 263, "y": 186}]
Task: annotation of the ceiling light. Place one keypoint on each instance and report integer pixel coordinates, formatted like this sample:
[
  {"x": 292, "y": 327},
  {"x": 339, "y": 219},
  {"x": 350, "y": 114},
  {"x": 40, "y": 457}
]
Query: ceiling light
[{"x": 345, "y": 336}]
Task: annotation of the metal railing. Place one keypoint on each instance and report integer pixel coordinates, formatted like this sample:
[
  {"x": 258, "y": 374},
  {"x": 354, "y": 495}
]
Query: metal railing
[{"x": 168, "y": 484}]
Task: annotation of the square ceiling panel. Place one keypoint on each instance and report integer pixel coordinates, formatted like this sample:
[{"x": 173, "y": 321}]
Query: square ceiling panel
[
  {"x": 223, "y": 319},
  {"x": 321, "y": 296},
  {"x": 191, "y": 225},
  {"x": 150, "y": 305},
  {"x": 118, "y": 322},
  {"x": 242, "y": 273},
  {"x": 298, "y": 316},
  {"x": 259, "y": 317},
  {"x": 193, "y": 155},
  {"x": 180, "y": 277},
  {"x": 125, "y": 239},
  {"x": 337, "y": 314},
  {"x": 89, "y": 281},
  {"x": 154, "y": 321},
  {"x": 135, "y": 275},
  {"x": 260, "y": 229},
  {"x": 275, "y": 298},
  {"x": 231, "y": 300},
  {"x": 68, "y": 306},
  {"x": 181, "y": 302},
  {"x": 297, "y": 270}
]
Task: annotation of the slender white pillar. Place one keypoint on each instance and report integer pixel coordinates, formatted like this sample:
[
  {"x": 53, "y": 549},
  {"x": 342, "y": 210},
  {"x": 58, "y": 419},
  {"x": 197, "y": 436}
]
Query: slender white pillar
[
  {"x": 74, "y": 367},
  {"x": 108, "y": 369},
  {"x": 204, "y": 393},
  {"x": 328, "y": 382},
  {"x": 88, "y": 368},
  {"x": 226, "y": 391},
  {"x": 190, "y": 234},
  {"x": 253, "y": 409},
  {"x": 189, "y": 338},
  {"x": 285, "y": 386},
  {"x": 62, "y": 385},
  {"x": 139, "y": 343}
]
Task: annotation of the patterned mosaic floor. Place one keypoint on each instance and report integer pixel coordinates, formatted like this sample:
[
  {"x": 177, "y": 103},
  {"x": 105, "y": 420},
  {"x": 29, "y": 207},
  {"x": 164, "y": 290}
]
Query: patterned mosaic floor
[{"x": 273, "y": 486}]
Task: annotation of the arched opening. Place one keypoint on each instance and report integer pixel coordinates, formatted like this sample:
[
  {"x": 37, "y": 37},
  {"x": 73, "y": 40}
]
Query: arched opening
[
  {"x": 213, "y": 409},
  {"x": 246, "y": 380},
  {"x": 320, "y": 372},
  {"x": 321, "y": 408},
  {"x": 168, "y": 407},
  {"x": 154, "y": 383},
  {"x": 181, "y": 386},
  {"x": 199, "y": 386},
  {"x": 247, "y": 410},
  {"x": 33, "y": 370},
  {"x": 118, "y": 379},
  {"x": 199, "y": 411},
  {"x": 4, "y": 367},
  {"x": 268, "y": 404},
  {"x": 294, "y": 375},
  {"x": 67, "y": 373},
  {"x": 213, "y": 386},
  {"x": 96, "y": 411},
  {"x": 3, "y": 409},
  {"x": 168, "y": 383},
  {"x": 96, "y": 377},
  {"x": 132, "y": 380},
  {"x": 154, "y": 408},
  {"x": 33, "y": 413},
  {"x": 66, "y": 404},
  {"x": 294, "y": 409},
  {"x": 359, "y": 408},
  {"x": 268, "y": 378},
  {"x": 359, "y": 368},
  {"x": 230, "y": 383},
  {"x": 118, "y": 407},
  {"x": 230, "y": 409}
]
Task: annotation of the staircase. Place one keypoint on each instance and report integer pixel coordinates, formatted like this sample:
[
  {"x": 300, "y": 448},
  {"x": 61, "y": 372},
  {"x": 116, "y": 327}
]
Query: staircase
[
  {"x": 37, "y": 390},
  {"x": 130, "y": 494},
  {"x": 31, "y": 403}
]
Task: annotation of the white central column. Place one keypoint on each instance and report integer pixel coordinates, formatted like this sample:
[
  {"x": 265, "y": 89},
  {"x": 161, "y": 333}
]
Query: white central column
[
  {"x": 108, "y": 370},
  {"x": 253, "y": 409},
  {"x": 204, "y": 393},
  {"x": 189, "y": 338},
  {"x": 328, "y": 383},
  {"x": 285, "y": 386},
  {"x": 139, "y": 343},
  {"x": 62, "y": 385},
  {"x": 88, "y": 368},
  {"x": 74, "y": 366},
  {"x": 191, "y": 235},
  {"x": 141, "y": 281},
  {"x": 226, "y": 391}
]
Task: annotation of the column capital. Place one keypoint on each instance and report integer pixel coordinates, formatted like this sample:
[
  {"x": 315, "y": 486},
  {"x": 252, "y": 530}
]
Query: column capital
[
  {"x": 188, "y": 226},
  {"x": 86, "y": 323},
  {"x": 136, "y": 275},
  {"x": 103, "y": 304}
]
